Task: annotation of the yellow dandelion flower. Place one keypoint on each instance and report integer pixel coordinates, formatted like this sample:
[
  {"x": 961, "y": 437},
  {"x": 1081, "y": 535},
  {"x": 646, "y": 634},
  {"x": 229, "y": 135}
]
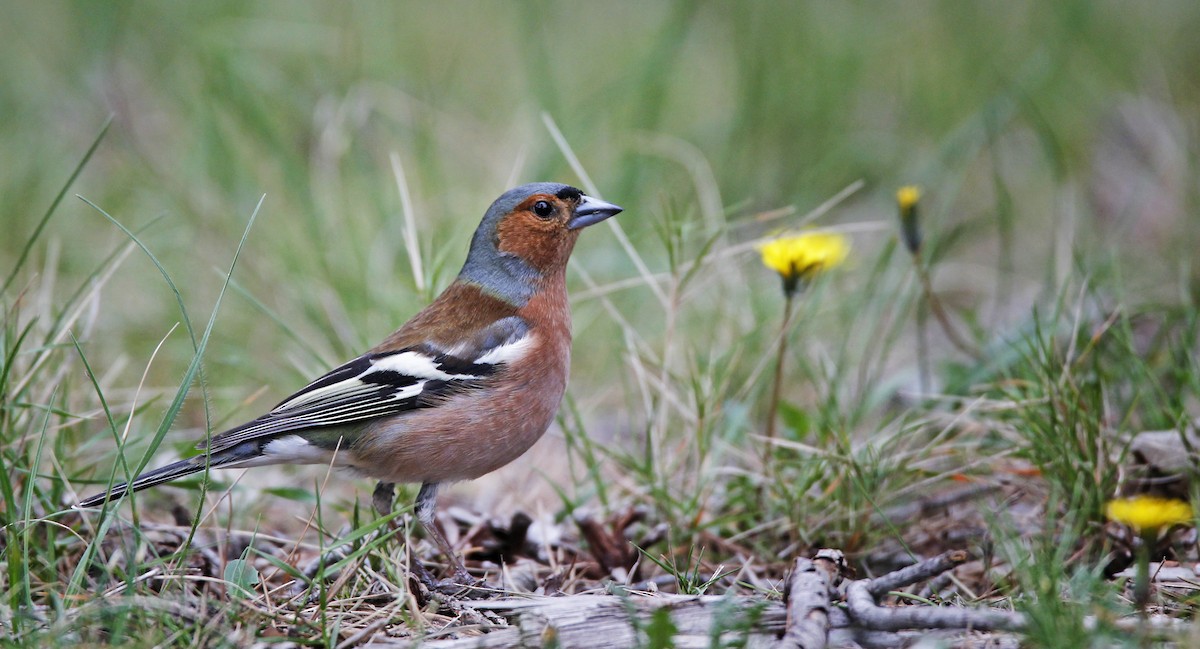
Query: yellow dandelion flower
[
  {"x": 802, "y": 256},
  {"x": 910, "y": 228},
  {"x": 1148, "y": 513}
]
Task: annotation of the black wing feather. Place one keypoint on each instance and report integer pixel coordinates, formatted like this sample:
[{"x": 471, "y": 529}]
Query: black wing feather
[{"x": 372, "y": 392}]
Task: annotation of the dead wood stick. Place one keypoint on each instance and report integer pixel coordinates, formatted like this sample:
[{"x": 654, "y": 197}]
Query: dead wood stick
[
  {"x": 807, "y": 607},
  {"x": 606, "y": 622},
  {"x": 867, "y": 614},
  {"x": 935, "y": 586},
  {"x": 917, "y": 572}
]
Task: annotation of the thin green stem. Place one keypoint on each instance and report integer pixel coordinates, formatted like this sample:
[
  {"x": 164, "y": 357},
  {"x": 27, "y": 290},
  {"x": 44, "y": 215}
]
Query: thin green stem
[
  {"x": 777, "y": 387},
  {"x": 939, "y": 312},
  {"x": 924, "y": 373},
  {"x": 1141, "y": 583}
]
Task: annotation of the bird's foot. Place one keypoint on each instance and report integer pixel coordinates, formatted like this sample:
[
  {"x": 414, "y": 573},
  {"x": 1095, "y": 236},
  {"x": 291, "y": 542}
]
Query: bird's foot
[
  {"x": 464, "y": 586},
  {"x": 455, "y": 596},
  {"x": 460, "y": 586}
]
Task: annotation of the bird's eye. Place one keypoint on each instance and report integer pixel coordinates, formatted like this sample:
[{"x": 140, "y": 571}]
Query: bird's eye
[{"x": 543, "y": 209}]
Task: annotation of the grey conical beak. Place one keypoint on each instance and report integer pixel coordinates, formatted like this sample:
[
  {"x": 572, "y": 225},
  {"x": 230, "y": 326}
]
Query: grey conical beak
[{"x": 591, "y": 211}]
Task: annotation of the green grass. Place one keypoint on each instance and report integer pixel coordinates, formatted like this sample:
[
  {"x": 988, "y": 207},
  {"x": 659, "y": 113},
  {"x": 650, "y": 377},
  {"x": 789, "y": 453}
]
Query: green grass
[{"x": 1054, "y": 142}]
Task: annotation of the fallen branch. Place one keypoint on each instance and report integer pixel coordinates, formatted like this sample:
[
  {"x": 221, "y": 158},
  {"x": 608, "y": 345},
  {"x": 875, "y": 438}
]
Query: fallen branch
[
  {"x": 807, "y": 598},
  {"x": 860, "y": 603},
  {"x": 918, "y": 572},
  {"x": 603, "y": 622}
]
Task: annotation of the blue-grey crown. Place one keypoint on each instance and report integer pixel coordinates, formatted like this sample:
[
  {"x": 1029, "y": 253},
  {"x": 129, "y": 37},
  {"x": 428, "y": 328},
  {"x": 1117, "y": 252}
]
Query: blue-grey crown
[{"x": 500, "y": 274}]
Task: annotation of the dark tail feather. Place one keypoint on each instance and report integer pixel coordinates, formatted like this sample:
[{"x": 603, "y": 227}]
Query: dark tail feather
[
  {"x": 240, "y": 453},
  {"x": 148, "y": 479}
]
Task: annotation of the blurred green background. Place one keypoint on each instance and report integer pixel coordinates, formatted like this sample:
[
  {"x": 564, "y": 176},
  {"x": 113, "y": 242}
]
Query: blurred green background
[{"x": 1042, "y": 132}]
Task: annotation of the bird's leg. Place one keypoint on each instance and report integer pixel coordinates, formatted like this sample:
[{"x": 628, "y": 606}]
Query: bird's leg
[
  {"x": 426, "y": 502},
  {"x": 383, "y": 498}
]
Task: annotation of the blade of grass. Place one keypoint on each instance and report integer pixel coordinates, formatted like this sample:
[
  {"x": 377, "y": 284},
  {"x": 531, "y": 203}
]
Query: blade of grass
[
  {"x": 37, "y": 231},
  {"x": 283, "y": 324},
  {"x": 26, "y": 588},
  {"x": 169, "y": 417},
  {"x": 187, "y": 322},
  {"x": 411, "y": 244}
]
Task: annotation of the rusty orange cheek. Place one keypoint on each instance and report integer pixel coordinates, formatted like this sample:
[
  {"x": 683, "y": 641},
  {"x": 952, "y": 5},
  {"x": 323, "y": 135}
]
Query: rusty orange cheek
[{"x": 542, "y": 243}]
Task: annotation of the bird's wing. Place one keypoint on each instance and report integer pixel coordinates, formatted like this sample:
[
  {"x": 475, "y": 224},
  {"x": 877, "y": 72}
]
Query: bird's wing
[{"x": 388, "y": 382}]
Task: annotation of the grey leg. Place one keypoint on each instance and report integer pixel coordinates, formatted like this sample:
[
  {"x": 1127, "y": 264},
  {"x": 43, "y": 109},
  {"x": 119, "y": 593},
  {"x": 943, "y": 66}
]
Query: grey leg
[
  {"x": 382, "y": 499},
  {"x": 426, "y": 503}
]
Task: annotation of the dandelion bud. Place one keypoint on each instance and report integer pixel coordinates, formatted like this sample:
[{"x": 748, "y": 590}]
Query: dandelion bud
[{"x": 910, "y": 228}]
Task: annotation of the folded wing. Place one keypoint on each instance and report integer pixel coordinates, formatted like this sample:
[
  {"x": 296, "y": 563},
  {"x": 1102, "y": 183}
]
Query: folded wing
[{"x": 388, "y": 383}]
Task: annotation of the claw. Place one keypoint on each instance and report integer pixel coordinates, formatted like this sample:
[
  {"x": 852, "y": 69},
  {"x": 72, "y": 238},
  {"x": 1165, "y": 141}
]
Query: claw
[{"x": 463, "y": 586}]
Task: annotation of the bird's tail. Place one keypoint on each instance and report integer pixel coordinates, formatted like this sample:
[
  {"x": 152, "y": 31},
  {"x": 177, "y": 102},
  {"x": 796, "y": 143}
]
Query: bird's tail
[{"x": 151, "y": 478}]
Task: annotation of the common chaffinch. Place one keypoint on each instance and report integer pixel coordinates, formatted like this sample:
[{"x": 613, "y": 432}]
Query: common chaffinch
[{"x": 462, "y": 389}]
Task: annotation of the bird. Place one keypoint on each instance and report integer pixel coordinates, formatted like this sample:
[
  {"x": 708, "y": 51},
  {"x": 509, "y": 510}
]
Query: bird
[{"x": 464, "y": 387}]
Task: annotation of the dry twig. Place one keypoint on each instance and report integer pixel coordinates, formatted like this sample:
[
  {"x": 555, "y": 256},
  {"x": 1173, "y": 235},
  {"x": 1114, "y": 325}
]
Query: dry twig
[
  {"x": 869, "y": 615},
  {"x": 808, "y": 603},
  {"x": 917, "y": 572}
]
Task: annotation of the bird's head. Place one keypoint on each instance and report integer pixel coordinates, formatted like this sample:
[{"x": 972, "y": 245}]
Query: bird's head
[{"x": 528, "y": 233}]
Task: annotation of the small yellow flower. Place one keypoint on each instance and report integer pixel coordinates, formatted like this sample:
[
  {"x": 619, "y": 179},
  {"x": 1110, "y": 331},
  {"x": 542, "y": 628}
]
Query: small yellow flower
[
  {"x": 802, "y": 256},
  {"x": 1149, "y": 513},
  {"x": 907, "y": 196}
]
